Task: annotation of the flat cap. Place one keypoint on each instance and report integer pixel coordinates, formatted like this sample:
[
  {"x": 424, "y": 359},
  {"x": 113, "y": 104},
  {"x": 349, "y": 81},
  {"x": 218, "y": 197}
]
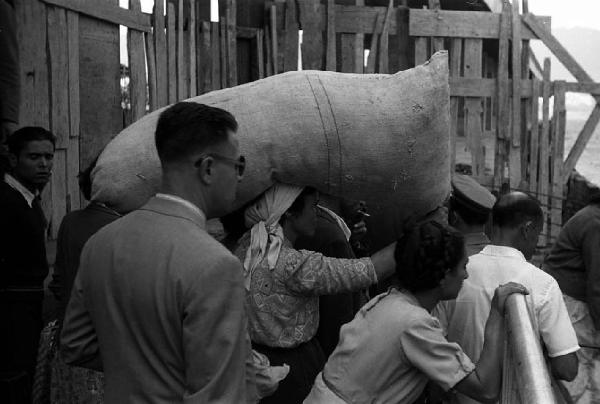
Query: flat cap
[{"x": 472, "y": 195}]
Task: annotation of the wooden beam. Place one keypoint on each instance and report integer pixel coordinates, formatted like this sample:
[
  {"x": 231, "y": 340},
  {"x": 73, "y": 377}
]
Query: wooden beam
[
  {"x": 172, "y": 53},
  {"x": 514, "y": 156},
  {"x": 502, "y": 99},
  {"x": 231, "y": 19},
  {"x": 312, "y": 41},
  {"x": 383, "y": 50},
  {"x": 372, "y": 58},
  {"x": 484, "y": 87},
  {"x": 274, "y": 50},
  {"x": 330, "y": 54},
  {"x": 465, "y": 24},
  {"x": 455, "y": 71},
  {"x": 215, "y": 57},
  {"x": 558, "y": 147},
  {"x": 421, "y": 50},
  {"x": 151, "y": 63},
  {"x": 544, "y": 165},
  {"x": 193, "y": 69},
  {"x": 582, "y": 140},
  {"x": 591, "y": 88},
  {"x": 535, "y": 137},
  {"x": 107, "y": 12},
  {"x": 473, "y": 105},
  {"x": 161, "y": 58},
  {"x": 181, "y": 70}
]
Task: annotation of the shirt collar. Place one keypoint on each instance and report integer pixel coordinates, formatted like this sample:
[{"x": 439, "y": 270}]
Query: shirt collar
[
  {"x": 503, "y": 251},
  {"x": 184, "y": 202},
  {"x": 15, "y": 184}
]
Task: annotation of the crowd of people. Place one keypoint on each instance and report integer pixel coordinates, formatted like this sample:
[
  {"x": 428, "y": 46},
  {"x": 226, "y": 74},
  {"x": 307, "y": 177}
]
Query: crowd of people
[{"x": 286, "y": 308}]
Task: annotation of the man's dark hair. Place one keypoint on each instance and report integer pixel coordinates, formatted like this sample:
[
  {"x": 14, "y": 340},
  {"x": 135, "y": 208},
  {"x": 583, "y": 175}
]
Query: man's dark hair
[
  {"x": 425, "y": 253},
  {"x": 516, "y": 208},
  {"x": 469, "y": 216},
  {"x": 85, "y": 180},
  {"x": 17, "y": 141},
  {"x": 188, "y": 127}
]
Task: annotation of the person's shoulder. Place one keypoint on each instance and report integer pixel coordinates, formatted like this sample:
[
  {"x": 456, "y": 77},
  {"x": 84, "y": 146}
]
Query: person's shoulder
[{"x": 10, "y": 197}]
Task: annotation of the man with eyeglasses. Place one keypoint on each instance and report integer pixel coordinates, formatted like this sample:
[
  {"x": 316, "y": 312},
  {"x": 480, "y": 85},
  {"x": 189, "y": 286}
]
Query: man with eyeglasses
[
  {"x": 517, "y": 222},
  {"x": 158, "y": 304}
]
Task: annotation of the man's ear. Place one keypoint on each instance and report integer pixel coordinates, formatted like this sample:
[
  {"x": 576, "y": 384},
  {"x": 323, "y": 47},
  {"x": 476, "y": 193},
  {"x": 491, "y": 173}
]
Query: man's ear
[{"x": 206, "y": 170}]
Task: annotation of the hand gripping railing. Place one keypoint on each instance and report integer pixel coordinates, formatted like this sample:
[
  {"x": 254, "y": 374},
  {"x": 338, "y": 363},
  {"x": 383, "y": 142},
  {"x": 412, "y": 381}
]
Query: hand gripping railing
[{"x": 531, "y": 375}]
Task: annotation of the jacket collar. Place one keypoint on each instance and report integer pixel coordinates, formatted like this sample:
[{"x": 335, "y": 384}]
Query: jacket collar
[
  {"x": 16, "y": 185},
  {"x": 503, "y": 251},
  {"x": 175, "y": 206}
]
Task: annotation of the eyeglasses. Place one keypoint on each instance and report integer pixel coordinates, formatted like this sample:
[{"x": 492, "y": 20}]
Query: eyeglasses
[{"x": 239, "y": 163}]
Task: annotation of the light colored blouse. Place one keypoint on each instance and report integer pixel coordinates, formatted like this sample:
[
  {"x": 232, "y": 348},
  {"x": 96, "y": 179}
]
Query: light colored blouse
[
  {"x": 283, "y": 303},
  {"x": 388, "y": 353}
]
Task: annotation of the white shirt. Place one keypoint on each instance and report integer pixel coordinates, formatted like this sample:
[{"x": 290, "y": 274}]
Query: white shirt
[
  {"x": 465, "y": 318},
  {"x": 15, "y": 184},
  {"x": 184, "y": 202}
]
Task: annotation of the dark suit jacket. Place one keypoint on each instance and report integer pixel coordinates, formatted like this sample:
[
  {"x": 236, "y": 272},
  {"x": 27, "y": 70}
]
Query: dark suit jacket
[{"x": 161, "y": 303}]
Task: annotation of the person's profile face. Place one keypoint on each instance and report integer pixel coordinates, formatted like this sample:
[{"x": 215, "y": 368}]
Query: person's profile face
[
  {"x": 455, "y": 278},
  {"x": 33, "y": 165},
  {"x": 531, "y": 233},
  {"x": 227, "y": 175},
  {"x": 305, "y": 223}
]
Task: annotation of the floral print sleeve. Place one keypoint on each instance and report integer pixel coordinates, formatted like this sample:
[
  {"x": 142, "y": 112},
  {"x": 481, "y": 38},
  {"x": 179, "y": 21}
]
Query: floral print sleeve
[{"x": 310, "y": 273}]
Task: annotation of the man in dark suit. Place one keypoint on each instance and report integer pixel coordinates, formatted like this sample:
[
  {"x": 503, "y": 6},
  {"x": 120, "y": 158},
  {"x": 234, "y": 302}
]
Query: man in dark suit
[
  {"x": 158, "y": 304},
  {"x": 23, "y": 265}
]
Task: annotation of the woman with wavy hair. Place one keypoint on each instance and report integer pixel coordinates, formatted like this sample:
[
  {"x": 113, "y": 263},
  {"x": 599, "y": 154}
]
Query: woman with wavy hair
[{"x": 393, "y": 347}]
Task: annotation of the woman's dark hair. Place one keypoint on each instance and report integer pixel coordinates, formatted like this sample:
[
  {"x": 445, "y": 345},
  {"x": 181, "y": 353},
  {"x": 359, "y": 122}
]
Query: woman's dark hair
[
  {"x": 299, "y": 203},
  {"x": 425, "y": 253}
]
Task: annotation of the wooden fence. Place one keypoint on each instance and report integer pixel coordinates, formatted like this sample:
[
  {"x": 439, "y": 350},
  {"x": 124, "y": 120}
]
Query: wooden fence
[{"x": 175, "y": 53}]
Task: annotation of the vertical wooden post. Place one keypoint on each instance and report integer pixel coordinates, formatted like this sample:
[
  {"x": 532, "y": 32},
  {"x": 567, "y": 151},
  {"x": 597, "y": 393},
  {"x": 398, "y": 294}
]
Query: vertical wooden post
[
  {"x": 193, "y": 69},
  {"x": 402, "y": 35},
  {"x": 137, "y": 68},
  {"x": 312, "y": 41},
  {"x": 274, "y": 44},
  {"x": 455, "y": 68},
  {"x": 231, "y": 20},
  {"x": 223, "y": 52},
  {"x": 180, "y": 52},
  {"x": 73, "y": 194},
  {"x": 372, "y": 58},
  {"x": 215, "y": 46},
  {"x": 544, "y": 165},
  {"x": 383, "y": 51},
  {"x": 437, "y": 43},
  {"x": 172, "y": 53},
  {"x": 260, "y": 53},
  {"x": 160, "y": 47},
  {"x": 290, "y": 57},
  {"x": 421, "y": 51},
  {"x": 473, "y": 69},
  {"x": 330, "y": 57},
  {"x": 535, "y": 137},
  {"x": 205, "y": 59},
  {"x": 558, "y": 149},
  {"x": 515, "y": 152}
]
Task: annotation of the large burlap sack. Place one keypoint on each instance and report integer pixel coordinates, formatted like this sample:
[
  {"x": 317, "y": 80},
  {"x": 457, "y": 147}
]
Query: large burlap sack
[{"x": 379, "y": 138}]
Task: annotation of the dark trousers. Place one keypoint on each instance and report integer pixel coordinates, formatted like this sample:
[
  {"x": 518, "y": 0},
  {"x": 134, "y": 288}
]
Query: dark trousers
[
  {"x": 305, "y": 361},
  {"x": 22, "y": 324}
]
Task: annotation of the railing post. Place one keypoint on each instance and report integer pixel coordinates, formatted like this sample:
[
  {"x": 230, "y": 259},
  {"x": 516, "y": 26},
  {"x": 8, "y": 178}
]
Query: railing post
[{"x": 532, "y": 377}]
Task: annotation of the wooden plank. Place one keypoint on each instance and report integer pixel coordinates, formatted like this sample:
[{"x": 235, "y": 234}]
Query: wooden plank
[
  {"x": 359, "y": 44},
  {"x": 591, "y": 88},
  {"x": 544, "y": 165},
  {"x": 384, "y": 41},
  {"x": 172, "y": 53},
  {"x": 274, "y": 43},
  {"x": 503, "y": 85},
  {"x": 473, "y": 60},
  {"x": 465, "y": 24},
  {"x": 402, "y": 37},
  {"x": 231, "y": 17},
  {"x": 73, "y": 195},
  {"x": 455, "y": 71},
  {"x": 372, "y": 58},
  {"x": 58, "y": 59},
  {"x": 151, "y": 63},
  {"x": 223, "y": 53},
  {"x": 58, "y": 183},
  {"x": 103, "y": 10},
  {"x": 160, "y": 48},
  {"x": 558, "y": 145},
  {"x": 437, "y": 43},
  {"x": 516, "y": 83},
  {"x": 312, "y": 41},
  {"x": 485, "y": 87},
  {"x": 73, "y": 55},
  {"x": 137, "y": 68},
  {"x": 260, "y": 53},
  {"x": 215, "y": 56},
  {"x": 290, "y": 57},
  {"x": 535, "y": 138},
  {"x": 182, "y": 86},
  {"x": 204, "y": 59},
  {"x": 347, "y": 42},
  {"x": 421, "y": 50},
  {"x": 330, "y": 57},
  {"x": 245, "y": 32},
  {"x": 193, "y": 68},
  {"x": 268, "y": 58}
]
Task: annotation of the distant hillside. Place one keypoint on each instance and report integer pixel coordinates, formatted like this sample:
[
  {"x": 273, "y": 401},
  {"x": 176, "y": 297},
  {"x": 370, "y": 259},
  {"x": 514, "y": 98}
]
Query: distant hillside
[{"x": 582, "y": 43}]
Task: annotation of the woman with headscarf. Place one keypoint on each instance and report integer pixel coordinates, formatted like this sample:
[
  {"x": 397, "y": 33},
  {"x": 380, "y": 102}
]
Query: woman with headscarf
[
  {"x": 393, "y": 347},
  {"x": 284, "y": 284}
]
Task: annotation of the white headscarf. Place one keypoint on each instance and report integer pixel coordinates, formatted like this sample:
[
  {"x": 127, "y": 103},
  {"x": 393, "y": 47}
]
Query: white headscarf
[
  {"x": 266, "y": 235},
  {"x": 343, "y": 226}
]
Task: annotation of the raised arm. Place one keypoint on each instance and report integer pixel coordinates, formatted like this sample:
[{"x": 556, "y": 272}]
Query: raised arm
[
  {"x": 312, "y": 273},
  {"x": 484, "y": 383}
]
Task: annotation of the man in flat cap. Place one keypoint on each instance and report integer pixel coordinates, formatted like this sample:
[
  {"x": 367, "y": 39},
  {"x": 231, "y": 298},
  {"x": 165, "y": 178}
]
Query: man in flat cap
[{"x": 469, "y": 210}]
